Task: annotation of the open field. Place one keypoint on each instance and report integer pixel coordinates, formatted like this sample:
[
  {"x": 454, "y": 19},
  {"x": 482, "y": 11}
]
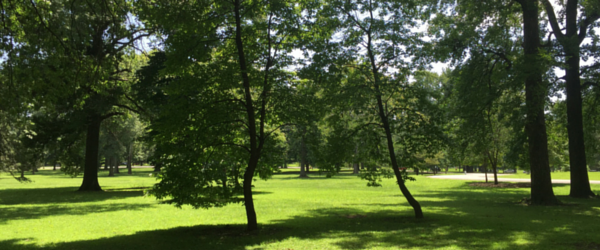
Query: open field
[{"x": 312, "y": 213}]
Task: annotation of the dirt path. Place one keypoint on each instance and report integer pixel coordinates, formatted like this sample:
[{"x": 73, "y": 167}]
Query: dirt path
[{"x": 481, "y": 177}]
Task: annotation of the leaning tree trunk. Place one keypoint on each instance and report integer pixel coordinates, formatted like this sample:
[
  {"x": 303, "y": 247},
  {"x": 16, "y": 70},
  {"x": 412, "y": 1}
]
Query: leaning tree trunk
[
  {"x": 535, "y": 95},
  {"x": 90, "y": 168},
  {"x": 388, "y": 134}
]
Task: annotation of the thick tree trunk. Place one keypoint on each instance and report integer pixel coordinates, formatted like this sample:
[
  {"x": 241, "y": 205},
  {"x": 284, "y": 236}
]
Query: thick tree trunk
[
  {"x": 90, "y": 168},
  {"x": 535, "y": 92},
  {"x": 580, "y": 182},
  {"x": 570, "y": 42}
]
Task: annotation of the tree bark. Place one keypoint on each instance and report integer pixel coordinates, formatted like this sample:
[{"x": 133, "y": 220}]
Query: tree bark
[
  {"x": 535, "y": 92},
  {"x": 90, "y": 167}
]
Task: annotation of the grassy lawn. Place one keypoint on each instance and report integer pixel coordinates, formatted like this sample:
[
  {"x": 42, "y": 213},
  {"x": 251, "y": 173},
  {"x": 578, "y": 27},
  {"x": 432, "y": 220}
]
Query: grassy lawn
[
  {"x": 312, "y": 213},
  {"x": 595, "y": 176}
]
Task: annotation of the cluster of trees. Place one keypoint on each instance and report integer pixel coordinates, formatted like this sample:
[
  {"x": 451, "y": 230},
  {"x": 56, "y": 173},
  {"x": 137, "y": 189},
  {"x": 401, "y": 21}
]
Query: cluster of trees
[{"x": 230, "y": 88}]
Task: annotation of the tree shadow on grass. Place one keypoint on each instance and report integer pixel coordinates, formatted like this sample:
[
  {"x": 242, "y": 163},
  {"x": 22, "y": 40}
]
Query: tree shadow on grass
[
  {"x": 11, "y": 213},
  {"x": 463, "y": 217},
  {"x": 60, "y": 195},
  {"x": 345, "y": 228}
]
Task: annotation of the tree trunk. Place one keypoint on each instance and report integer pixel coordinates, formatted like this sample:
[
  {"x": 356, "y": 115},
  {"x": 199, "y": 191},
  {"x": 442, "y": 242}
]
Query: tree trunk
[
  {"x": 355, "y": 165},
  {"x": 580, "y": 182},
  {"x": 129, "y": 158},
  {"x": 111, "y": 171},
  {"x": 388, "y": 133},
  {"x": 248, "y": 200},
  {"x": 416, "y": 171},
  {"x": 570, "y": 42},
  {"x": 117, "y": 163},
  {"x": 303, "y": 161},
  {"x": 90, "y": 168},
  {"x": 22, "y": 174},
  {"x": 255, "y": 144},
  {"x": 535, "y": 92},
  {"x": 362, "y": 166},
  {"x": 485, "y": 169}
]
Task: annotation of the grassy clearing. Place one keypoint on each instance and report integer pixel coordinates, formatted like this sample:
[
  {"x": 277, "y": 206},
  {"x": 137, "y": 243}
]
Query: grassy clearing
[{"x": 312, "y": 213}]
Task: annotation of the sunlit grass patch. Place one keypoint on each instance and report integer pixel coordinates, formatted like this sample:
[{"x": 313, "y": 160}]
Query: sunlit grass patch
[{"x": 314, "y": 213}]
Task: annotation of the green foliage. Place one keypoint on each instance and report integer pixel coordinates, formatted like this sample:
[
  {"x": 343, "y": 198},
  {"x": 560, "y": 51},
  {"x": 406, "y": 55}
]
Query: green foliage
[{"x": 211, "y": 121}]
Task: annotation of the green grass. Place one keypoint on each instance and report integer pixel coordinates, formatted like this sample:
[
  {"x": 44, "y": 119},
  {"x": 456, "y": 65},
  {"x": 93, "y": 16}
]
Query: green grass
[
  {"x": 312, "y": 213},
  {"x": 595, "y": 176}
]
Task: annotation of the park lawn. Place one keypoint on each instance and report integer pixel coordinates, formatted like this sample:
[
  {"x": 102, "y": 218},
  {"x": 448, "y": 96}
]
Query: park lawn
[
  {"x": 594, "y": 176},
  {"x": 312, "y": 213}
]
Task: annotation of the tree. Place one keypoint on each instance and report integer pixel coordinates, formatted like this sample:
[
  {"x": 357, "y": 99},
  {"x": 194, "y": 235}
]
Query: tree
[
  {"x": 229, "y": 93},
  {"x": 371, "y": 56},
  {"x": 576, "y": 30},
  {"x": 478, "y": 18},
  {"x": 73, "y": 51},
  {"x": 481, "y": 86}
]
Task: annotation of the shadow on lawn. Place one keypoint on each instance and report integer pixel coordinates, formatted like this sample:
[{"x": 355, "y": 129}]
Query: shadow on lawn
[
  {"x": 463, "y": 218},
  {"x": 11, "y": 213},
  {"x": 60, "y": 195},
  {"x": 343, "y": 227}
]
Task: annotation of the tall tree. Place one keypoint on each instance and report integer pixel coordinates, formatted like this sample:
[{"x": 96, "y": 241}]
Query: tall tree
[
  {"x": 229, "y": 92},
  {"x": 72, "y": 51},
  {"x": 369, "y": 42},
  {"x": 477, "y": 18},
  {"x": 575, "y": 31}
]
